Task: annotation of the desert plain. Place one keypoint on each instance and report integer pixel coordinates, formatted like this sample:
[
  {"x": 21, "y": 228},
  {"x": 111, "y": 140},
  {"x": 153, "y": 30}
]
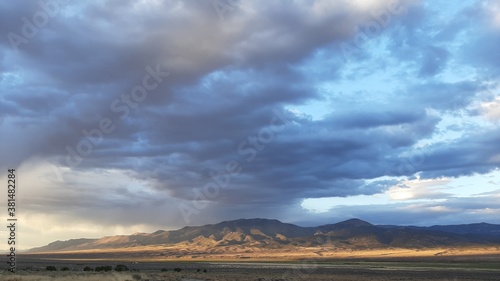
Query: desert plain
[{"x": 482, "y": 263}]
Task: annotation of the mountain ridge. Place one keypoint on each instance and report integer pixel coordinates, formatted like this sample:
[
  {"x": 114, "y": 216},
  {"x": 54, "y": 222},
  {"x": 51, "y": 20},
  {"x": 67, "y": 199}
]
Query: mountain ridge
[{"x": 259, "y": 233}]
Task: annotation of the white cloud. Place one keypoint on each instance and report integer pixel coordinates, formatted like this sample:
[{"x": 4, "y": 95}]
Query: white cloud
[
  {"x": 491, "y": 110},
  {"x": 419, "y": 189},
  {"x": 492, "y": 8}
]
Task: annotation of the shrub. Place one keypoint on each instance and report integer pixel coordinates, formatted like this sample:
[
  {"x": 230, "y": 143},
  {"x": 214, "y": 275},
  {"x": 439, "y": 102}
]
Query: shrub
[
  {"x": 204, "y": 270},
  {"x": 177, "y": 269},
  {"x": 136, "y": 277},
  {"x": 88, "y": 268},
  {"x": 51, "y": 268},
  {"x": 65, "y": 268},
  {"x": 163, "y": 270},
  {"x": 121, "y": 267},
  {"x": 104, "y": 268}
]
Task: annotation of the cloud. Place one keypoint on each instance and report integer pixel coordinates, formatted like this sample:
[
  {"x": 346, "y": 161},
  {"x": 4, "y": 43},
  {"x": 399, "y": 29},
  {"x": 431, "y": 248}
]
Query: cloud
[
  {"x": 434, "y": 60},
  {"x": 419, "y": 189},
  {"x": 491, "y": 109},
  {"x": 247, "y": 88},
  {"x": 450, "y": 210}
]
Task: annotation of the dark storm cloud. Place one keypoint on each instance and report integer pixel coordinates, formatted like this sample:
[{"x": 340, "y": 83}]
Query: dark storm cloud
[
  {"x": 228, "y": 78},
  {"x": 475, "y": 153},
  {"x": 434, "y": 61}
]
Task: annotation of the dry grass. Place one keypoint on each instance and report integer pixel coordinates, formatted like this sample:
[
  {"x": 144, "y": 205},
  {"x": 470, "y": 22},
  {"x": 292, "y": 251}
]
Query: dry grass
[
  {"x": 169, "y": 253},
  {"x": 265, "y": 273},
  {"x": 66, "y": 277}
]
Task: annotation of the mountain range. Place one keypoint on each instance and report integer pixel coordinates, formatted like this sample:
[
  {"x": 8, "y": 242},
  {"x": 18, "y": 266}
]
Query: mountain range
[{"x": 255, "y": 234}]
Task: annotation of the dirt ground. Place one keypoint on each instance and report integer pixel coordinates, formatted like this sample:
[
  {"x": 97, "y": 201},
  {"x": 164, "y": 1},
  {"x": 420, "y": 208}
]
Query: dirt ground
[{"x": 300, "y": 271}]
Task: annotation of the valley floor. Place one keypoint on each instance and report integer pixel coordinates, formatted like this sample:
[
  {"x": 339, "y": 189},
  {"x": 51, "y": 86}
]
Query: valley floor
[
  {"x": 243, "y": 253},
  {"x": 34, "y": 270}
]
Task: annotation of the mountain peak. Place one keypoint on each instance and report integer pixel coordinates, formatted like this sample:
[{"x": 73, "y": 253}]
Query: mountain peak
[
  {"x": 250, "y": 222},
  {"x": 354, "y": 222}
]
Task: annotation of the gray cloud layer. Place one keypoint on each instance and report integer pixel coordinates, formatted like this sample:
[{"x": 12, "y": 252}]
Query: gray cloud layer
[{"x": 225, "y": 79}]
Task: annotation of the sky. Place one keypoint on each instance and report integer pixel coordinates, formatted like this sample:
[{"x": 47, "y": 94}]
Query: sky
[{"x": 133, "y": 116}]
